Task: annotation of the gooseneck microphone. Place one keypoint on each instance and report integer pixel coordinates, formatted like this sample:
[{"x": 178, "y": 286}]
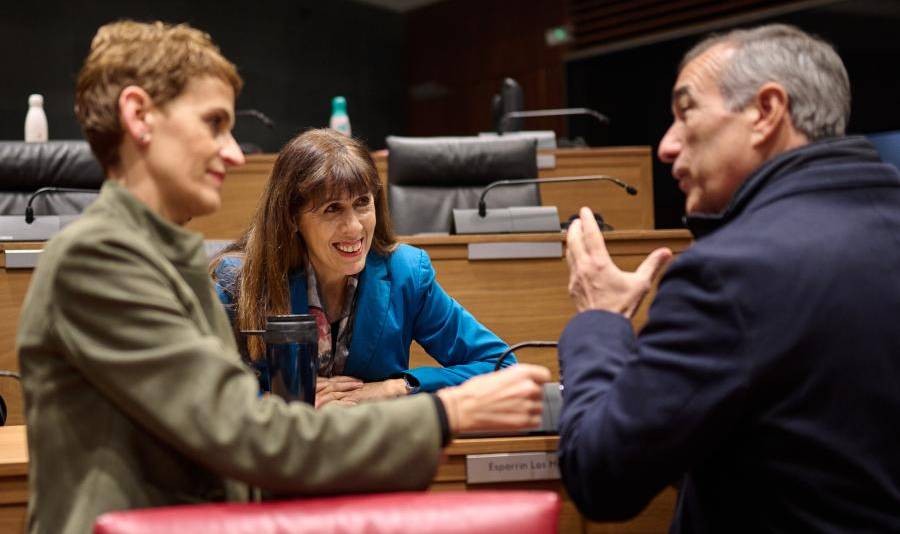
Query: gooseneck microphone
[
  {"x": 521, "y": 345},
  {"x": 561, "y": 112},
  {"x": 482, "y": 207},
  {"x": 256, "y": 114},
  {"x": 29, "y": 211}
]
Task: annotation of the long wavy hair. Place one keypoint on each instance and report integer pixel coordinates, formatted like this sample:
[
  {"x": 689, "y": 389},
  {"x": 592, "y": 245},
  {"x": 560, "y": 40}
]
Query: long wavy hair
[{"x": 315, "y": 167}]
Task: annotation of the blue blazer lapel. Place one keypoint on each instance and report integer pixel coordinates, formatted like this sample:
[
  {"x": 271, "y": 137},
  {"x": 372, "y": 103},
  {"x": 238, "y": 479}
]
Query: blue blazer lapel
[
  {"x": 372, "y": 305},
  {"x": 297, "y": 285}
]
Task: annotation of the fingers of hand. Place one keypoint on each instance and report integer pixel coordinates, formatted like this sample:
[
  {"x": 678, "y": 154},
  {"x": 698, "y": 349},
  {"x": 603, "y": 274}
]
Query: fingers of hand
[
  {"x": 654, "y": 264},
  {"x": 343, "y": 378},
  {"x": 574, "y": 242},
  {"x": 337, "y": 383},
  {"x": 335, "y": 396},
  {"x": 321, "y": 384},
  {"x": 538, "y": 373},
  {"x": 523, "y": 414},
  {"x": 322, "y": 400},
  {"x": 588, "y": 222},
  {"x": 592, "y": 237},
  {"x": 347, "y": 385}
]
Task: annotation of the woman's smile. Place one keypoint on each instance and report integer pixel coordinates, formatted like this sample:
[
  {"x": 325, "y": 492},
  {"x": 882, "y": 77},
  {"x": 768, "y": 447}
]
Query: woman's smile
[
  {"x": 349, "y": 249},
  {"x": 338, "y": 235}
]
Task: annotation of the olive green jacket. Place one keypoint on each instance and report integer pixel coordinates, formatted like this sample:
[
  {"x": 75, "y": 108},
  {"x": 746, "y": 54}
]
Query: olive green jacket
[{"x": 135, "y": 395}]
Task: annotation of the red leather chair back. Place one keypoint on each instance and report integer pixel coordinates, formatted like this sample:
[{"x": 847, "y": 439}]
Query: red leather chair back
[{"x": 476, "y": 512}]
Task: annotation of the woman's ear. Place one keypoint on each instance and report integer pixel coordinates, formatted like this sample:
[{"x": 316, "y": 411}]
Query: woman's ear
[{"x": 134, "y": 112}]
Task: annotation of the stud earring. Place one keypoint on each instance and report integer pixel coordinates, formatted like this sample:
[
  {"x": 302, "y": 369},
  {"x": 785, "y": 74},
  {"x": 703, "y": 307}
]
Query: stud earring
[{"x": 145, "y": 138}]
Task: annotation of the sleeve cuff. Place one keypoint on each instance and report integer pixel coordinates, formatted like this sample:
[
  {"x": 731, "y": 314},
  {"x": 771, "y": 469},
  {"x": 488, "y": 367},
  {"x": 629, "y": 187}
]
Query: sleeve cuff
[
  {"x": 443, "y": 421},
  {"x": 412, "y": 383}
]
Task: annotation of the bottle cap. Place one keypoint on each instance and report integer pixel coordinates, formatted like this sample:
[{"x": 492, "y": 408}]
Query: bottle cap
[
  {"x": 339, "y": 105},
  {"x": 35, "y": 100}
]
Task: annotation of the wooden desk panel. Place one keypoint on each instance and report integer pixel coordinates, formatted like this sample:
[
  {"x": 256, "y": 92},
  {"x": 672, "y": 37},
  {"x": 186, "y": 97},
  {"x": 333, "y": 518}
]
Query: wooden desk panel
[
  {"x": 244, "y": 185},
  {"x": 13, "y": 286},
  {"x": 451, "y": 476},
  {"x": 634, "y": 165},
  {"x": 528, "y": 299},
  {"x": 517, "y": 299},
  {"x": 13, "y": 478}
]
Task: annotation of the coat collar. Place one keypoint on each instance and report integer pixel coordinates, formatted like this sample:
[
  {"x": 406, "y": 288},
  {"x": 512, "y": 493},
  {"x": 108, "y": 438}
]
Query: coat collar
[
  {"x": 769, "y": 180},
  {"x": 180, "y": 246}
]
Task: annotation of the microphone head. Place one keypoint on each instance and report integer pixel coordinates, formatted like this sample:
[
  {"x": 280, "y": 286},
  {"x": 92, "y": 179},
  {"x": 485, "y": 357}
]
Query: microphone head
[
  {"x": 29, "y": 215},
  {"x": 630, "y": 189},
  {"x": 482, "y": 209}
]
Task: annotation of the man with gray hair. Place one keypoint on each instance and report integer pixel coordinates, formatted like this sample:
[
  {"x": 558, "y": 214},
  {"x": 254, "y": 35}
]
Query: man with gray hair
[{"x": 765, "y": 382}]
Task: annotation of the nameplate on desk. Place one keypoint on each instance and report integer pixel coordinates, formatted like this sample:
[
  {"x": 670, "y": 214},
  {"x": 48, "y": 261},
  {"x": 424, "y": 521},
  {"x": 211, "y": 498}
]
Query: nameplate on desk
[
  {"x": 511, "y": 467},
  {"x": 515, "y": 250},
  {"x": 22, "y": 259},
  {"x": 14, "y": 227},
  {"x": 511, "y": 220}
]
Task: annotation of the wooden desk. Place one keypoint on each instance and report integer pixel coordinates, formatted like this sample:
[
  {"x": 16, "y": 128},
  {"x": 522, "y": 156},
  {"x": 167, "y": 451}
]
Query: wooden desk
[
  {"x": 244, "y": 185},
  {"x": 517, "y": 299},
  {"x": 451, "y": 475},
  {"x": 13, "y": 478},
  {"x": 528, "y": 299}
]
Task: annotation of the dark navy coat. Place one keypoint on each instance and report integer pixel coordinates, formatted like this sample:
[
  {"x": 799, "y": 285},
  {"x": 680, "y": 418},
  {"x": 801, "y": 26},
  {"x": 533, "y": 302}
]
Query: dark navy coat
[{"x": 767, "y": 379}]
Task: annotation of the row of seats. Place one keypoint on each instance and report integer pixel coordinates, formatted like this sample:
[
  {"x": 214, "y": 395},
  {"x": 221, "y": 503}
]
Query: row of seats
[{"x": 456, "y": 167}]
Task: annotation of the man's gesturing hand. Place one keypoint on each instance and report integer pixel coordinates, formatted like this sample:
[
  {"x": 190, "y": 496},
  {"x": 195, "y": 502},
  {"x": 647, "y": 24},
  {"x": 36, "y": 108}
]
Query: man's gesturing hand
[{"x": 595, "y": 283}]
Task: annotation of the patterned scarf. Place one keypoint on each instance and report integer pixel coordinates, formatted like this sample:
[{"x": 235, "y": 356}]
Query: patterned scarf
[{"x": 332, "y": 353}]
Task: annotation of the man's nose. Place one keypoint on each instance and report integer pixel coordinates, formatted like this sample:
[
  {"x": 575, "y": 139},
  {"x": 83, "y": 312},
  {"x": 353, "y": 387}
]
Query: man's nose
[{"x": 670, "y": 145}]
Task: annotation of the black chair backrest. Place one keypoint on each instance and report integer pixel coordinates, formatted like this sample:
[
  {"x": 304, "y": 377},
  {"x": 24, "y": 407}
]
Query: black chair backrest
[
  {"x": 27, "y": 167},
  {"x": 429, "y": 177}
]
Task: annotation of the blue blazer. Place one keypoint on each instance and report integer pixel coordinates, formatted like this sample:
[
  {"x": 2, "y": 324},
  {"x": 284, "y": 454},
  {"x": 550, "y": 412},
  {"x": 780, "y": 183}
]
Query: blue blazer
[{"x": 398, "y": 302}]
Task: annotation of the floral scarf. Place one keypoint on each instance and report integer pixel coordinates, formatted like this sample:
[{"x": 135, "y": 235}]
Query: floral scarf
[{"x": 332, "y": 353}]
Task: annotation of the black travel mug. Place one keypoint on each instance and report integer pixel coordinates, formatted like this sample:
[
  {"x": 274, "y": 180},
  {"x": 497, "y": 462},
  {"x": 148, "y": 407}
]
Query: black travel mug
[{"x": 292, "y": 349}]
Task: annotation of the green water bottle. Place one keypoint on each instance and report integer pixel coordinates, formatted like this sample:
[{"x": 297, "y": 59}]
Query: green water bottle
[{"x": 339, "y": 119}]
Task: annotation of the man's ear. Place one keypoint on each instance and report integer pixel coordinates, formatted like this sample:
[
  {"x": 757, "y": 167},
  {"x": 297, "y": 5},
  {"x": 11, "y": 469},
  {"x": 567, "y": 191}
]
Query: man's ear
[
  {"x": 134, "y": 113},
  {"x": 771, "y": 112}
]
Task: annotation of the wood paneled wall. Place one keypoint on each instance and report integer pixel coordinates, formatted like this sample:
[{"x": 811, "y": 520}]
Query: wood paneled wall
[{"x": 460, "y": 51}]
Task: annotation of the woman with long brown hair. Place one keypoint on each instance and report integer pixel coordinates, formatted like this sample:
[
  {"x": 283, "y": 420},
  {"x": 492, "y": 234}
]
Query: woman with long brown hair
[{"x": 321, "y": 242}]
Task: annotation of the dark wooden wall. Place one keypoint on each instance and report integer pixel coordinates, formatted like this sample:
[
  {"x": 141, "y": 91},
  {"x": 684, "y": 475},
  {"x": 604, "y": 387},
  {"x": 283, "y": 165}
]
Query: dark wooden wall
[
  {"x": 460, "y": 51},
  {"x": 294, "y": 55}
]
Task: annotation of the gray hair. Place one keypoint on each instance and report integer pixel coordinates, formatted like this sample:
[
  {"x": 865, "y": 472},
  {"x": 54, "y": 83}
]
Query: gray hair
[{"x": 807, "y": 67}]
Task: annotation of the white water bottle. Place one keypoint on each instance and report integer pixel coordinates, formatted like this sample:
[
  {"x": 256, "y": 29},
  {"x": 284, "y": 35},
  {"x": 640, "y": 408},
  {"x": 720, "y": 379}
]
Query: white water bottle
[
  {"x": 339, "y": 119},
  {"x": 36, "y": 120}
]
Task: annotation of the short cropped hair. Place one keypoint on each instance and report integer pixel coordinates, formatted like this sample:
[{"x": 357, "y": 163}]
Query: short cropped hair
[
  {"x": 160, "y": 58},
  {"x": 807, "y": 67}
]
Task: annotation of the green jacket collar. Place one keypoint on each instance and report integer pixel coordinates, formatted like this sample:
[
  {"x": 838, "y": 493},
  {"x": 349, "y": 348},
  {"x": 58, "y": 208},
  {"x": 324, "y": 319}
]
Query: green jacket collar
[{"x": 180, "y": 246}]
